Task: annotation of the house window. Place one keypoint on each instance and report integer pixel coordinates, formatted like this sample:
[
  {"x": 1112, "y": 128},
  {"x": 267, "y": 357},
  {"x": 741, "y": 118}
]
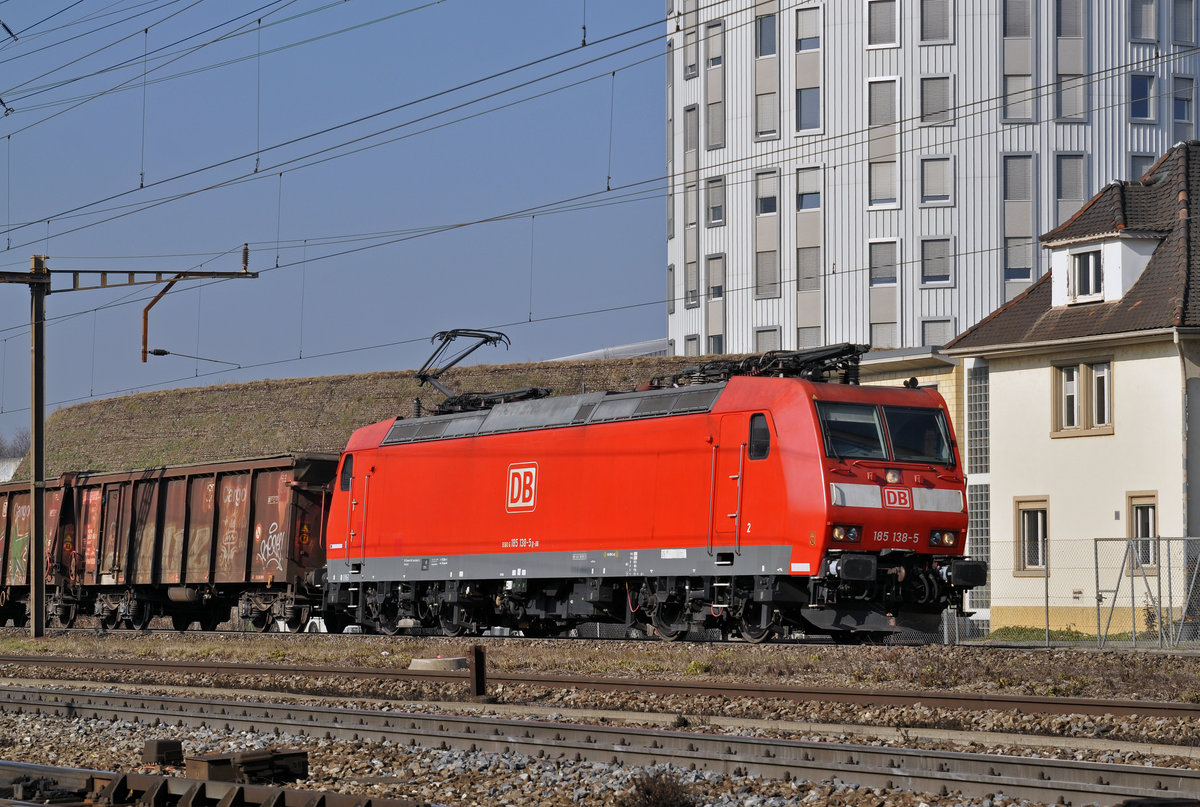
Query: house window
[
  {"x": 1083, "y": 399},
  {"x": 935, "y": 100},
  {"x": 1018, "y": 97},
  {"x": 936, "y": 180},
  {"x": 881, "y": 183},
  {"x": 1018, "y": 179},
  {"x": 715, "y": 36},
  {"x": 716, "y": 277},
  {"x": 808, "y": 268},
  {"x": 1181, "y": 107},
  {"x": 808, "y": 108},
  {"x": 1086, "y": 280},
  {"x": 883, "y": 263},
  {"x": 882, "y": 24},
  {"x": 1069, "y": 18},
  {"x": 978, "y": 416},
  {"x": 883, "y": 335},
  {"x": 766, "y": 191},
  {"x": 690, "y": 54},
  {"x": 808, "y": 337},
  {"x": 1183, "y": 21},
  {"x": 690, "y": 202},
  {"x": 808, "y": 189},
  {"x": 715, "y": 204},
  {"x": 691, "y": 345},
  {"x": 766, "y": 114},
  {"x": 881, "y": 102},
  {"x": 1018, "y": 259},
  {"x": 1141, "y": 93},
  {"x": 716, "y": 344},
  {"x": 1142, "y": 515},
  {"x": 935, "y": 20},
  {"x": 671, "y": 289},
  {"x": 936, "y": 263},
  {"x": 691, "y": 128},
  {"x": 715, "y": 112},
  {"x": 1069, "y": 179},
  {"x": 1141, "y": 20},
  {"x": 764, "y": 35},
  {"x": 1031, "y": 534},
  {"x": 936, "y": 332},
  {"x": 1072, "y": 98},
  {"x": 979, "y": 538},
  {"x": 766, "y": 273},
  {"x": 691, "y": 284},
  {"x": 1140, "y": 165},
  {"x": 766, "y": 340},
  {"x": 808, "y": 29},
  {"x": 1016, "y": 18},
  {"x": 670, "y": 214}
]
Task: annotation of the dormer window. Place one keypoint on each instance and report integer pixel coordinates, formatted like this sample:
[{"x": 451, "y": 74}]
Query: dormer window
[{"x": 1086, "y": 279}]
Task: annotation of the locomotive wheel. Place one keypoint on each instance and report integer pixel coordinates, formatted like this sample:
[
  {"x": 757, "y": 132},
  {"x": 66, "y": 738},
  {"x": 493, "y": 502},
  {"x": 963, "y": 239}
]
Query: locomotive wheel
[
  {"x": 753, "y": 632},
  {"x": 181, "y": 622},
  {"x": 446, "y": 616},
  {"x": 665, "y": 616}
]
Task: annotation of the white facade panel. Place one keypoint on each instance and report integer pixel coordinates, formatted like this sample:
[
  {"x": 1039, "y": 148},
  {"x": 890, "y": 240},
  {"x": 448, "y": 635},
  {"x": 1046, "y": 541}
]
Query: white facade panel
[{"x": 975, "y": 138}]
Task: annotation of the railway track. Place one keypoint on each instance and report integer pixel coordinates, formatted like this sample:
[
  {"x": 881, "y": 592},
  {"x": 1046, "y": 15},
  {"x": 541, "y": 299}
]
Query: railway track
[
  {"x": 1030, "y": 704},
  {"x": 923, "y": 771}
]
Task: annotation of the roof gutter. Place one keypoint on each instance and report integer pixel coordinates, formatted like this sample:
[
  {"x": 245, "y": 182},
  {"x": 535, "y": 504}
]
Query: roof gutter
[{"x": 1045, "y": 346}]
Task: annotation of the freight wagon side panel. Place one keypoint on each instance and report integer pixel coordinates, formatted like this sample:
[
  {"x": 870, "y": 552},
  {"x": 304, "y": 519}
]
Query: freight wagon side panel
[
  {"x": 89, "y": 523},
  {"x": 234, "y": 522},
  {"x": 6, "y": 511},
  {"x": 174, "y": 520},
  {"x": 202, "y": 495},
  {"x": 55, "y": 527},
  {"x": 272, "y": 499},
  {"x": 16, "y": 572},
  {"x": 114, "y": 535},
  {"x": 145, "y": 531}
]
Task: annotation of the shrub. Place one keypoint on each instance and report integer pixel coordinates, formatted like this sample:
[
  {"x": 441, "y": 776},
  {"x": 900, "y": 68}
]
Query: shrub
[{"x": 658, "y": 789}]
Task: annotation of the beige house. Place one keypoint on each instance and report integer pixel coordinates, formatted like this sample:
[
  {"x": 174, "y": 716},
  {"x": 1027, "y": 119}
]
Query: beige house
[{"x": 1083, "y": 397}]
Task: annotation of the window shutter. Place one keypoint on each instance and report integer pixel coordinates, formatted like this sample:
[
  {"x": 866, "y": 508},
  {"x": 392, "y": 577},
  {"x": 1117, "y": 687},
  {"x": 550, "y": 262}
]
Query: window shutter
[
  {"x": 935, "y": 179},
  {"x": 716, "y": 276},
  {"x": 883, "y": 262},
  {"x": 716, "y": 123},
  {"x": 768, "y": 184},
  {"x": 935, "y": 332},
  {"x": 935, "y": 99},
  {"x": 881, "y": 23},
  {"x": 1183, "y": 21},
  {"x": 1018, "y": 254},
  {"x": 882, "y": 100},
  {"x": 1070, "y": 176},
  {"x": 935, "y": 261},
  {"x": 1070, "y": 17},
  {"x": 935, "y": 20},
  {"x": 1141, "y": 19},
  {"x": 808, "y": 180},
  {"x": 766, "y": 113},
  {"x": 1018, "y": 179},
  {"x": 691, "y": 283},
  {"x": 671, "y": 289},
  {"x": 808, "y": 24},
  {"x": 766, "y": 340},
  {"x": 1016, "y": 18},
  {"x": 883, "y": 183},
  {"x": 1019, "y": 98},
  {"x": 766, "y": 273},
  {"x": 716, "y": 44},
  {"x": 808, "y": 268},
  {"x": 808, "y": 337},
  {"x": 691, "y": 129}
]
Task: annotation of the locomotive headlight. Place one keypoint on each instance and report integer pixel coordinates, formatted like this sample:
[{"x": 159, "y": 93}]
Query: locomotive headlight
[
  {"x": 892, "y": 476},
  {"x": 839, "y": 533},
  {"x": 942, "y": 538},
  {"x": 844, "y": 534}
]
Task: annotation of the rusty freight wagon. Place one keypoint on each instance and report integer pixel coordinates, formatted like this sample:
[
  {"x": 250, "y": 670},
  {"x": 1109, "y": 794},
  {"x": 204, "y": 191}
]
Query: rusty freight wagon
[
  {"x": 15, "y": 543},
  {"x": 192, "y": 542}
]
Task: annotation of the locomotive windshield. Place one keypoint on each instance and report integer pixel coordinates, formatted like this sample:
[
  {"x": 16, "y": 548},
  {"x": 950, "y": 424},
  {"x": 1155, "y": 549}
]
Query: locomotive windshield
[{"x": 856, "y": 431}]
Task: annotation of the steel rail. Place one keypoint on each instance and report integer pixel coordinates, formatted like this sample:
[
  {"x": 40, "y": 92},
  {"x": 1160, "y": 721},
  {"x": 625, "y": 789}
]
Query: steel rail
[
  {"x": 939, "y": 772},
  {"x": 1031, "y": 704}
]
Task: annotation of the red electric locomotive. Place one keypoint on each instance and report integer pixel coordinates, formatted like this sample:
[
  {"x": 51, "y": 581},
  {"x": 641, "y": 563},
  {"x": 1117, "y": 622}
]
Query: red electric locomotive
[{"x": 751, "y": 496}]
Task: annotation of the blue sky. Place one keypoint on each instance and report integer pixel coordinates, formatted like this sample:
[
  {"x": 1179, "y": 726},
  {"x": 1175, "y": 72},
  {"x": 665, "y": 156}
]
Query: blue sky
[{"x": 191, "y": 108}]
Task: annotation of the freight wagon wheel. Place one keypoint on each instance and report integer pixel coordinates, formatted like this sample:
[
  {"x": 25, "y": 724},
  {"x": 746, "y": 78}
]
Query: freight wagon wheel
[
  {"x": 181, "y": 622},
  {"x": 210, "y": 620},
  {"x": 261, "y": 621},
  {"x": 110, "y": 619},
  {"x": 20, "y": 618},
  {"x": 299, "y": 618},
  {"x": 63, "y": 615},
  {"x": 140, "y": 615}
]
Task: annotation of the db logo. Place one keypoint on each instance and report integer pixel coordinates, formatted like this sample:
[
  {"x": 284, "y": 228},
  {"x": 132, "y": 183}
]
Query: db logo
[
  {"x": 897, "y": 497},
  {"x": 522, "y": 487}
]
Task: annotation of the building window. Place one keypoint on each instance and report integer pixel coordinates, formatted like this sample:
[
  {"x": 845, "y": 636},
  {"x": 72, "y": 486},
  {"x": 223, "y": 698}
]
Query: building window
[
  {"x": 1071, "y": 98},
  {"x": 766, "y": 114},
  {"x": 1140, "y": 165},
  {"x": 935, "y": 21},
  {"x": 716, "y": 277},
  {"x": 715, "y": 112},
  {"x": 1031, "y": 534},
  {"x": 883, "y": 335},
  {"x": 690, "y": 202},
  {"x": 691, "y": 345},
  {"x": 766, "y": 273},
  {"x": 1018, "y": 97},
  {"x": 1141, "y": 94},
  {"x": 807, "y": 337},
  {"x": 1018, "y": 259},
  {"x": 1069, "y": 18},
  {"x": 883, "y": 263},
  {"x": 1083, "y": 399},
  {"x": 882, "y": 24},
  {"x": 808, "y": 29},
  {"x": 691, "y": 284},
  {"x": 764, "y": 35},
  {"x": 1181, "y": 107},
  {"x": 1142, "y": 518},
  {"x": 1183, "y": 21},
  {"x": 1142, "y": 26},
  {"x": 808, "y": 189},
  {"x": 881, "y": 183},
  {"x": 715, "y": 41},
  {"x": 1086, "y": 279},
  {"x": 936, "y": 180},
  {"x": 936, "y": 263},
  {"x": 715, "y": 203},
  {"x": 671, "y": 289},
  {"x": 978, "y": 415},
  {"x": 1069, "y": 181},
  {"x": 766, "y": 340},
  {"x": 936, "y": 332},
  {"x": 979, "y": 539},
  {"x": 808, "y": 268},
  {"x": 881, "y": 102},
  {"x": 691, "y": 128},
  {"x": 670, "y": 215},
  {"x": 766, "y": 192},
  {"x": 716, "y": 344},
  {"x": 935, "y": 100},
  {"x": 690, "y": 54},
  {"x": 808, "y": 108},
  {"x": 1018, "y": 178},
  {"x": 1017, "y": 18}
]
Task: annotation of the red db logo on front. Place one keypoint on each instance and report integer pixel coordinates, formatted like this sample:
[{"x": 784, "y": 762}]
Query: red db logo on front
[
  {"x": 897, "y": 497},
  {"x": 522, "y": 487}
]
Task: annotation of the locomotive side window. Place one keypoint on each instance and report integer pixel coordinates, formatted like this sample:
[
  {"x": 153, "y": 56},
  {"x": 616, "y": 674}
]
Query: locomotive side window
[
  {"x": 347, "y": 472},
  {"x": 760, "y": 437},
  {"x": 918, "y": 435},
  {"x": 851, "y": 430}
]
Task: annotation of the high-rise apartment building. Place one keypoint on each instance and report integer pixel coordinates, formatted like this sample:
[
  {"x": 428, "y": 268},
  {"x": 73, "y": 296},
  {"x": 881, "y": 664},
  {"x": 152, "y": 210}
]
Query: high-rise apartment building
[{"x": 879, "y": 170}]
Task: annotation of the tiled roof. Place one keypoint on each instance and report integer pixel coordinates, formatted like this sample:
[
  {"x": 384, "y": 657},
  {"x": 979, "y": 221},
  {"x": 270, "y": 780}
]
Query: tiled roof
[{"x": 1166, "y": 295}]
